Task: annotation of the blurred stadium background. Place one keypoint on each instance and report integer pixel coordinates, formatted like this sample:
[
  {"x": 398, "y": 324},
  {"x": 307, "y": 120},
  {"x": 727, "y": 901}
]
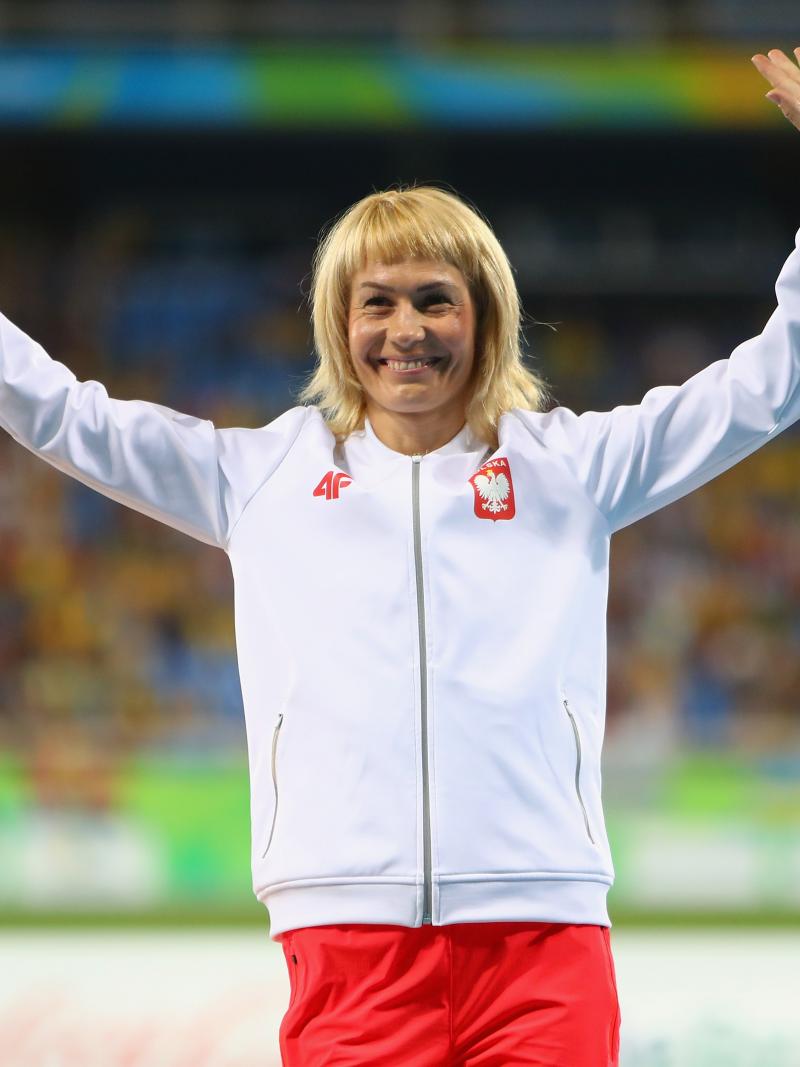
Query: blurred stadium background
[{"x": 166, "y": 168}]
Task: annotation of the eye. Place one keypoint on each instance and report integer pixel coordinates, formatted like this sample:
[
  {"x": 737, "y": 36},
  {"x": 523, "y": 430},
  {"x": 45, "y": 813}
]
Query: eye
[
  {"x": 431, "y": 299},
  {"x": 376, "y": 301}
]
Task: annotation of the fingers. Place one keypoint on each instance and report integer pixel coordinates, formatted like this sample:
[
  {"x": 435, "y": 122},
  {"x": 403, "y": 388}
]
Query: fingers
[
  {"x": 783, "y": 61},
  {"x": 777, "y": 68},
  {"x": 784, "y": 76}
]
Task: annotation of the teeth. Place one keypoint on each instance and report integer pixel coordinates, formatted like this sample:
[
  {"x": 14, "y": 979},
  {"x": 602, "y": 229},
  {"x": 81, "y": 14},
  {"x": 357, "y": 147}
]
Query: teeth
[{"x": 405, "y": 364}]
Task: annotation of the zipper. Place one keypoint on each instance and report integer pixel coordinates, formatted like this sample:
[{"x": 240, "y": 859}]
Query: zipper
[
  {"x": 274, "y": 781},
  {"x": 423, "y": 694},
  {"x": 578, "y": 768}
]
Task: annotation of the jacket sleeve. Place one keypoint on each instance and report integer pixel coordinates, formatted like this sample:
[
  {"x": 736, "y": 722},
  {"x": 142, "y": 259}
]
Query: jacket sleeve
[
  {"x": 175, "y": 468},
  {"x": 638, "y": 458}
]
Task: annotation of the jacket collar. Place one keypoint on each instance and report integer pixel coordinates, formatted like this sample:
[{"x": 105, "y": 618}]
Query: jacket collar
[{"x": 464, "y": 441}]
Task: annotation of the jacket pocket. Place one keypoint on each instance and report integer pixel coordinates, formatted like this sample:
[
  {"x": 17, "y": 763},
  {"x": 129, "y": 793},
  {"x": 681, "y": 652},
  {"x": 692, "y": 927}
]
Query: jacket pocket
[
  {"x": 275, "y": 733},
  {"x": 578, "y": 759}
]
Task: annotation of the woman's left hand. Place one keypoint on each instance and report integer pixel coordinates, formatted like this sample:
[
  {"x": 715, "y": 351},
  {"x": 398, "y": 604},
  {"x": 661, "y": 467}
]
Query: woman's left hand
[{"x": 784, "y": 76}]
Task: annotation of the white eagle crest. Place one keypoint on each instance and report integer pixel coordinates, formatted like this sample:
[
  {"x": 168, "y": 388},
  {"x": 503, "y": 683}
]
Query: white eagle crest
[{"x": 494, "y": 489}]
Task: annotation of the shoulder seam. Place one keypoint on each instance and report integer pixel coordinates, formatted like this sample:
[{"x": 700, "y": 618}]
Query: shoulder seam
[
  {"x": 605, "y": 519},
  {"x": 261, "y": 485}
]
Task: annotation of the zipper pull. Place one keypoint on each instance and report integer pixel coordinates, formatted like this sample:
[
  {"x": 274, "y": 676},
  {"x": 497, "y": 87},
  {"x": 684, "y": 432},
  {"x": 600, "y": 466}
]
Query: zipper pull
[{"x": 416, "y": 459}]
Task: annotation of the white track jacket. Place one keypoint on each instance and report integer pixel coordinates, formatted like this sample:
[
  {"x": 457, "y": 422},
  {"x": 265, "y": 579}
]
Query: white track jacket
[{"x": 421, "y": 640}]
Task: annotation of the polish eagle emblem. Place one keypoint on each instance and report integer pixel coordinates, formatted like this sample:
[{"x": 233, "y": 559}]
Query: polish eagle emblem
[{"x": 494, "y": 490}]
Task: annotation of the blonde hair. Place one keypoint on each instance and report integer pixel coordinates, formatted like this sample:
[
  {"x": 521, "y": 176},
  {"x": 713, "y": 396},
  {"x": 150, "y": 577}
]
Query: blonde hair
[{"x": 419, "y": 222}]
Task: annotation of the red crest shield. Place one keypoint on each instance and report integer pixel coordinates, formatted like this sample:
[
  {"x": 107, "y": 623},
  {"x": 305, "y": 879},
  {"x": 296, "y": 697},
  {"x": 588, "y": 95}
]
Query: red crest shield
[{"x": 494, "y": 490}]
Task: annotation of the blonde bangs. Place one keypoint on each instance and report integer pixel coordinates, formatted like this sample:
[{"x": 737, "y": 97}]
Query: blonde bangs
[
  {"x": 389, "y": 228},
  {"x": 424, "y": 223},
  {"x": 390, "y": 231}
]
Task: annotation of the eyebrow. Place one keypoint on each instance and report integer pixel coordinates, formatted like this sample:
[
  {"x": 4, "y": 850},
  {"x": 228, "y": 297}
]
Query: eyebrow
[{"x": 420, "y": 288}]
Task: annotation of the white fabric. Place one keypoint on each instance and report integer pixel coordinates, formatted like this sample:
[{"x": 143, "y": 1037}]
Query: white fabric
[{"x": 327, "y": 624}]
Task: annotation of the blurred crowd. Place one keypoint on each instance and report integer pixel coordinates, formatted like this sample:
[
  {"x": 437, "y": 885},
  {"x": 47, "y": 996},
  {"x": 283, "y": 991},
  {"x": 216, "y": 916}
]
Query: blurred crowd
[
  {"x": 116, "y": 634},
  {"x": 587, "y": 20}
]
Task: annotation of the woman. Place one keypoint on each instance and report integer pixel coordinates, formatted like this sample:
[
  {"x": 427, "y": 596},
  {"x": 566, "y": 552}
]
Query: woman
[{"x": 421, "y": 567}]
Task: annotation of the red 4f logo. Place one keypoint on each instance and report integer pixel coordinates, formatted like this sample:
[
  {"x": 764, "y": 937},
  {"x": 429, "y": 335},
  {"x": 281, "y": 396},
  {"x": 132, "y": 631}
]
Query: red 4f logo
[
  {"x": 494, "y": 490},
  {"x": 330, "y": 485}
]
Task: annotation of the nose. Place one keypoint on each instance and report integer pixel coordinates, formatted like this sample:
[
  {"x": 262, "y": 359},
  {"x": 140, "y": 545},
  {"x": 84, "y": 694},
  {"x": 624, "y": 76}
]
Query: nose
[{"x": 406, "y": 328}]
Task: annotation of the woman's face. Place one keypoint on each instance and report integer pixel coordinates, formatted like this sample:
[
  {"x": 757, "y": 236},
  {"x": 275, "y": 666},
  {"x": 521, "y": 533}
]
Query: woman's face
[{"x": 411, "y": 329}]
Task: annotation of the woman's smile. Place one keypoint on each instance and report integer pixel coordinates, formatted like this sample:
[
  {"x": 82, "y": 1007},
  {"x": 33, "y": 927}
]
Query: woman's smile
[{"x": 412, "y": 366}]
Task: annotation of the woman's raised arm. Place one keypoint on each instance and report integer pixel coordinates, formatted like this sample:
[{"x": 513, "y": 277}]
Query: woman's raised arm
[
  {"x": 640, "y": 457},
  {"x": 176, "y": 468}
]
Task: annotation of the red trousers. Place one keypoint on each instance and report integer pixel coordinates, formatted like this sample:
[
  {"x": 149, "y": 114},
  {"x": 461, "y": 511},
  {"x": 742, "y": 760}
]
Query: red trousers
[{"x": 464, "y": 995}]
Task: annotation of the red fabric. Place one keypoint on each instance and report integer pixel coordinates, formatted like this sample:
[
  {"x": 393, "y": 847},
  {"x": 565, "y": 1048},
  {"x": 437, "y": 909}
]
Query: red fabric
[{"x": 463, "y": 995}]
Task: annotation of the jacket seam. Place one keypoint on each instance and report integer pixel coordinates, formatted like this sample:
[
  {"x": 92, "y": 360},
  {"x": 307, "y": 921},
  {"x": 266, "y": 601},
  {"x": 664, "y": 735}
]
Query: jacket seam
[
  {"x": 527, "y": 876},
  {"x": 411, "y": 879},
  {"x": 647, "y": 507},
  {"x": 257, "y": 490},
  {"x": 706, "y": 474},
  {"x": 588, "y": 496},
  {"x": 128, "y": 500}
]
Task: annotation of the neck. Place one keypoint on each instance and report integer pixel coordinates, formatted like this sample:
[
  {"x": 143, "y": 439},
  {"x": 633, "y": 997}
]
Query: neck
[{"x": 416, "y": 433}]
